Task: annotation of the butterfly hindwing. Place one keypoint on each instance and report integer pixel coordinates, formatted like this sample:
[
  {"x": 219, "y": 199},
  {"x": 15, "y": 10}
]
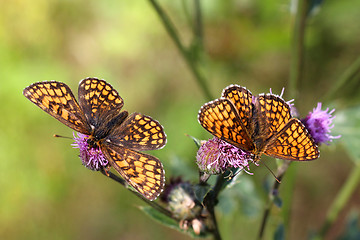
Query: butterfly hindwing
[
  {"x": 56, "y": 99},
  {"x": 143, "y": 172},
  {"x": 139, "y": 132},
  {"x": 221, "y": 119},
  {"x": 293, "y": 142}
]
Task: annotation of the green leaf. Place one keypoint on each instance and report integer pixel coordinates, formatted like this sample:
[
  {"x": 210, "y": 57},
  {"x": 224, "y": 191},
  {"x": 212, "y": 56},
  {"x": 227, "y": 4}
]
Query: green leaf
[
  {"x": 241, "y": 195},
  {"x": 196, "y": 141},
  {"x": 160, "y": 217},
  {"x": 347, "y": 124},
  {"x": 201, "y": 191}
]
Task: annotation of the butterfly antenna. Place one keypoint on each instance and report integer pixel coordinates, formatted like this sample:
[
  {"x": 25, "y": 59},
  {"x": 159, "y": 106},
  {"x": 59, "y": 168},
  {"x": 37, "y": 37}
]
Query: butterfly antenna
[
  {"x": 272, "y": 173},
  {"x": 59, "y": 136}
]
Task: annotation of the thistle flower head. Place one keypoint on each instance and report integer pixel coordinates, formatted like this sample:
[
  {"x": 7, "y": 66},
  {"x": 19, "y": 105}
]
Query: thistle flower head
[
  {"x": 182, "y": 202},
  {"x": 91, "y": 157},
  {"x": 215, "y": 156},
  {"x": 319, "y": 123}
]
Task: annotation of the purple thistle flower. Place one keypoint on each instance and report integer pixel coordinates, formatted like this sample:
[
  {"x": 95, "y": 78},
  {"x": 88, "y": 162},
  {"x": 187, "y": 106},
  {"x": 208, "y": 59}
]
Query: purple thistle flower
[
  {"x": 319, "y": 123},
  {"x": 91, "y": 158},
  {"x": 216, "y": 155}
]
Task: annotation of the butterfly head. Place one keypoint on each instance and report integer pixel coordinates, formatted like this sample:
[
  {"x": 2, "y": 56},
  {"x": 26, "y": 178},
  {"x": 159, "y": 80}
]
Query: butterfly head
[
  {"x": 92, "y": 142},
  {"x": 256, "y": 158}
]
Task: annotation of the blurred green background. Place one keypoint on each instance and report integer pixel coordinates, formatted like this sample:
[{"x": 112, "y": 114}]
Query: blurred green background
[{"x": 45, "y": 192}]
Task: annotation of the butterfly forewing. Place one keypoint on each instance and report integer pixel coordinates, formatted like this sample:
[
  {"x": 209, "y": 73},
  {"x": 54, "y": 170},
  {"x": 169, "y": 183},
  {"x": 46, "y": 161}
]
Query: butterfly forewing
[
  {"x": 275, "y": 111},
  {"x": 143, "y": 172},
  {"x": 221, "y": 119},
  {"x": 56, "y": 99},
  {"x": 242, "y": 100},
  {"x": 99, "y": 101},
  {"x": 139, "y": 132},
  {"x": 293, "y": 142}
]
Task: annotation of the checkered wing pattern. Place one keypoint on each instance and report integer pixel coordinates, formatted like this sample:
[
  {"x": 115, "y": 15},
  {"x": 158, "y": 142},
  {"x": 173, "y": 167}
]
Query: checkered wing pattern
[
  {"x": 139, "y": 132},
  {"x": 242, "y": 100},
  {"x": 293, "y": 142},
  {"x": 221, "y": 119},
  {"x": 56, "y": 99},
  {"x": 99, "y": 101},
  {"x": 275, "y": 111},
  {"x": 143, "y": 172}
]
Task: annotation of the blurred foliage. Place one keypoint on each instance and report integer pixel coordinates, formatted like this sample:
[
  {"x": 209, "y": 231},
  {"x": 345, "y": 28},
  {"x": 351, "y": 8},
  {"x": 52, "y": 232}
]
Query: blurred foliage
[
  {"x": 347, "y": 124},
  {"x": 47, "y": 194}
]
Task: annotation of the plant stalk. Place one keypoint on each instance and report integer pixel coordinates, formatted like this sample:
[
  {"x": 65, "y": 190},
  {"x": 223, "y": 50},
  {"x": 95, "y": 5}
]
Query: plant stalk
[
  {"x": 126, "y": 185},
  {"x": 297, "y": 48},
  {"x": 341, "y": 199},
  {"x": 173, "y": 33},
  {"x": 275, "y": 189},
  {"x": 344, "y": 79}
]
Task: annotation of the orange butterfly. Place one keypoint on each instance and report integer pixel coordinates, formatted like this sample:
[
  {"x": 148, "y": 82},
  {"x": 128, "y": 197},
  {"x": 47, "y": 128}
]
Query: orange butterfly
[
  {"x": 119, "y": 136},
  {"x": 258, "y": 124}
]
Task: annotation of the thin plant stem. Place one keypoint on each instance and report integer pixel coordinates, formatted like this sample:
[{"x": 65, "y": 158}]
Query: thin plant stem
[
  {"x": 156, "y": 206},
  {"x": 198, "y": 25},
  {"x": 173, "y": 33},
  {"x": 344, "y": 79},
  {"x": 280, "y": 174},
  {"x": 288, "y": 190},
  {"x": 297, "y": 48},
  {"x": 211, "y": 200},
  {"x": 341, "y": 199},
  {"x": 186, "y": 12}
]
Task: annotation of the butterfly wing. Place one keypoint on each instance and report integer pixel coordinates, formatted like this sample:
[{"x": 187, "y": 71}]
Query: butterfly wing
[
  {"x": 293, "y": 142},
  {"x": 139, "y": 132},
  {"x": 221, "y": 119},
  {"x": 143, "y": 172},
  {"x": 56, "y": 99},
  {"x": 274, "y": 112},
  {"x": 242, "y": 100},
  {"x": 101, "y": 105}
]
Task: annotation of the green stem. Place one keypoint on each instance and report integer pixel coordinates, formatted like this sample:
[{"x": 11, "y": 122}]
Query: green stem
[
  {"x": 341, "y": 199},
  {"x": 198, "y": 26},
  {"x": 124, "y": 183},
  {"x": 211, "y": 200},
  {"x": 170, "y": 28},
  {"x": 288, "y": 190},
  {"x": 297, "y": 48},
  {"x": 345, "y": 78},
  {"x": 280, "y": 174}
]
